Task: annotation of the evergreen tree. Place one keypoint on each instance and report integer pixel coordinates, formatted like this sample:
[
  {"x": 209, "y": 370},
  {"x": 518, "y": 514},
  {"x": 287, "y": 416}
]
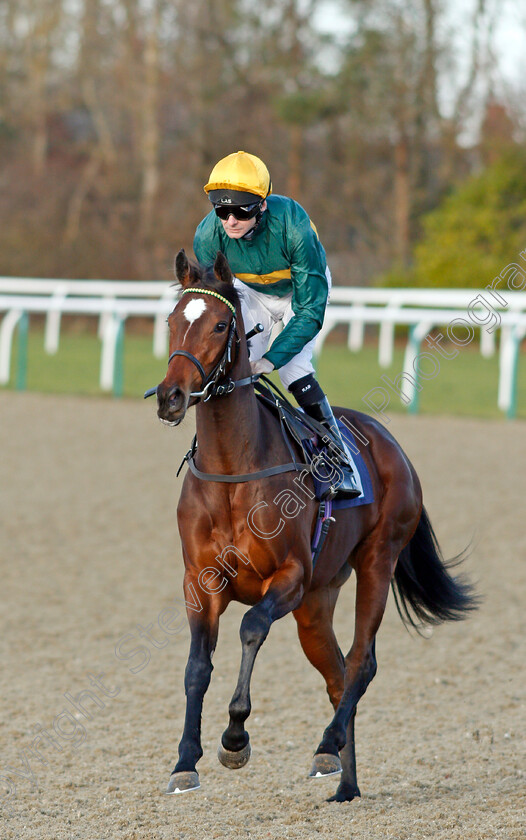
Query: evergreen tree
[{"x": 478, "y": 230}]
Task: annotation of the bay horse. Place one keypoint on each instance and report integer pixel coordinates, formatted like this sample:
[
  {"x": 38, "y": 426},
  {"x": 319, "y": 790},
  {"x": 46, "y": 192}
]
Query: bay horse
[{"x": 232, "y": 554}]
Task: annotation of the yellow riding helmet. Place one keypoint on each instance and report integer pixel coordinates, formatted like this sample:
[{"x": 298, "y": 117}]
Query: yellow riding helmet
[{"x": 240, "y": 172}]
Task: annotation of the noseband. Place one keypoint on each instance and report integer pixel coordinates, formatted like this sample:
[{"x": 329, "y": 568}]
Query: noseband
[{"x": 209, "y": 384}]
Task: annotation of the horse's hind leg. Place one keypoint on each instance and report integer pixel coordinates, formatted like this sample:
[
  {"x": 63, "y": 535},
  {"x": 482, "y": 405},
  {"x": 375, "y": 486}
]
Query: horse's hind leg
[
  {"x": 316, "y": 635},
  {"x": 348, "y": 788},
  {"x": 374, "y": 567}
]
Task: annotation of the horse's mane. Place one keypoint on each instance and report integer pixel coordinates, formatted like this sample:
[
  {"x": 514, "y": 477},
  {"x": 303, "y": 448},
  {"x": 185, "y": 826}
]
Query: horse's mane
[{"x": 204, "y": 276}]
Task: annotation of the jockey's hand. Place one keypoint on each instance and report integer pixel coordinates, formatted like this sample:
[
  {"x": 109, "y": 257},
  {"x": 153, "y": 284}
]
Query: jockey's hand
[{"x": 261, "y": 366}]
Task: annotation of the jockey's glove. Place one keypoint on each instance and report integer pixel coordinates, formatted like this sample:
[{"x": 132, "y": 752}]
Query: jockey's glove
[{"x": 261, "y": 366}]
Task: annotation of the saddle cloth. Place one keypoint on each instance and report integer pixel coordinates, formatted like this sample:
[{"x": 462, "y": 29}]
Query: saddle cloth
[{"x": 361, "y": 473}]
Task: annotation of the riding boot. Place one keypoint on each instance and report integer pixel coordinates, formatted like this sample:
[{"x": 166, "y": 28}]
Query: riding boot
[{"x": 322, "y": 412}]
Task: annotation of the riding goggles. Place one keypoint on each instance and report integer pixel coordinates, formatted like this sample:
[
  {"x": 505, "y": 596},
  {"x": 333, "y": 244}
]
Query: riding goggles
[{"x": 242, "y": 214}]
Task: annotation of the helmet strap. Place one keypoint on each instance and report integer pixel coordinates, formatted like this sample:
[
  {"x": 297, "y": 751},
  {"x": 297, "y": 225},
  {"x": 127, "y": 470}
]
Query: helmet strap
[{"x": 250, "y": 233}]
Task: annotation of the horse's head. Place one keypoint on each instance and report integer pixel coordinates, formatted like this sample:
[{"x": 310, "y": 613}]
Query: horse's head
[{"x": 203, "y": 334}]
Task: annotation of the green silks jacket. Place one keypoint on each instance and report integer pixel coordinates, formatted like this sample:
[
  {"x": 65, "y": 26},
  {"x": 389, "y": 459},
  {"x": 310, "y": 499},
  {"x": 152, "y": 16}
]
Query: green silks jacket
[{"x": 284, "y": 256}]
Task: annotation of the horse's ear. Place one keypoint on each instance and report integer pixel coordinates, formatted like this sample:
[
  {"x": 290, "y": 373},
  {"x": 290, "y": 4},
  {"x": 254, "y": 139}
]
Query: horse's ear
[
  {"x": 222, "y": 268},
  {"x": 184, "y": 270}
]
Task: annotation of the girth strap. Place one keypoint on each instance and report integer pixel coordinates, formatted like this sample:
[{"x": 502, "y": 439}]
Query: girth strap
[{"x": 235, "y": 479}]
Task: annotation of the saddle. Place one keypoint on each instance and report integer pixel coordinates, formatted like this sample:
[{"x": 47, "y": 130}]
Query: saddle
[
  {"x": 307, "y": 432},
  {"x": 294, "y": 423}
]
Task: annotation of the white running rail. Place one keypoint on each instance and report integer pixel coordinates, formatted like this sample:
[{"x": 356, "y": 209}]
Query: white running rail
[{"x": 422, "y": 309}]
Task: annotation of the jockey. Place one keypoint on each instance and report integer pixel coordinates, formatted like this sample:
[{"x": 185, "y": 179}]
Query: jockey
[{"x": 281, "y": 274}]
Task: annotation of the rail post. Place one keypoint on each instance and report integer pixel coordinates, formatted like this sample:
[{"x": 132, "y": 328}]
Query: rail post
[
  {"x": 21, "y": 361},
  {"x": 414, "y": 344},
  {"x": 417, "y": 333},
  {"x": 7, "y": 328},
  {"x": 118, "y": 360},
  {"x": 516, "y": 335}
]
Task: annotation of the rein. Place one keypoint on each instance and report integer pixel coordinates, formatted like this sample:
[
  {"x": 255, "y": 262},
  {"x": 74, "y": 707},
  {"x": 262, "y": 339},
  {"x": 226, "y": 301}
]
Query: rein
[{"x": 238, "y": 478}]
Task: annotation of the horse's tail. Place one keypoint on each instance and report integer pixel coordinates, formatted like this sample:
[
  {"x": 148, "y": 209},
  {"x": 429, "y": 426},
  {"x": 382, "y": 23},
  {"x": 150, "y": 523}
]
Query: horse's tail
[{"x": 422, "y": 586}]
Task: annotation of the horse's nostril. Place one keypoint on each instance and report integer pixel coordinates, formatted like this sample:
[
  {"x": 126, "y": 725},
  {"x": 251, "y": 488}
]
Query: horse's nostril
[
  {"x": 171, "y": 400},
  {"x": 174, "y": 396}
]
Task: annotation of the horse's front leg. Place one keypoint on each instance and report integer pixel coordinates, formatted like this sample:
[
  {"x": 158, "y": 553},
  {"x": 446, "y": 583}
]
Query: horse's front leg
[
  {"x": 203, "y": 627},
  {"x": 282, "y": 596}
]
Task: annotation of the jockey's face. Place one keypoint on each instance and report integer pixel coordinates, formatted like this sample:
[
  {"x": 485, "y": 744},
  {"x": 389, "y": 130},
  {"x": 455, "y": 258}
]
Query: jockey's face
[{"x": 235, "y": 229}]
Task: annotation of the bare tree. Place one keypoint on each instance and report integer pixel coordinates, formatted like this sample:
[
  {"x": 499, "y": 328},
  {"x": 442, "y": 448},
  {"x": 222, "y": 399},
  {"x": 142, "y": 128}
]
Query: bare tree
[
  {"x": 112, "y": 115},
  {"x": 150, "y": 137},
  {"x": 34, "y": 24}
]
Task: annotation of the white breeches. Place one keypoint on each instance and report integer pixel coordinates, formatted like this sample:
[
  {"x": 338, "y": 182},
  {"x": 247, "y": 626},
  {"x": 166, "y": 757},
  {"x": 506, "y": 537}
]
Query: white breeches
[{"x": 268, "y": 310}]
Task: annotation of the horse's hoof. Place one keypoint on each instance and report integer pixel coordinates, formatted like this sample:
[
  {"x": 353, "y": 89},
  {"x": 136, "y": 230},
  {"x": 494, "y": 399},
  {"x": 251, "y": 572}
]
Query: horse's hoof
[
  {"x": 345, "y": 793},
  {"x": 183, "y": 782},
  {"x": 325, "y": 764},
  {"x": 233, "y": 760}
]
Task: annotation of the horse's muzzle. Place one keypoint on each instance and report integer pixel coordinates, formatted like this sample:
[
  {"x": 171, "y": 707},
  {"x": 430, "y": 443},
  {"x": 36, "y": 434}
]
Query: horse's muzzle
[{"x": 171, "y": 404}]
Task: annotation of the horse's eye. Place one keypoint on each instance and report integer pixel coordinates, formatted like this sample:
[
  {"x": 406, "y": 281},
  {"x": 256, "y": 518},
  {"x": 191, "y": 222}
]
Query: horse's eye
[{"x": 221, "y": 326}]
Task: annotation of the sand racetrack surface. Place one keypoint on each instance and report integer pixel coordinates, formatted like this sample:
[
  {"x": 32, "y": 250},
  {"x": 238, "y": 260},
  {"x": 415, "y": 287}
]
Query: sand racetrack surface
[{"x": 90, "y": 554}]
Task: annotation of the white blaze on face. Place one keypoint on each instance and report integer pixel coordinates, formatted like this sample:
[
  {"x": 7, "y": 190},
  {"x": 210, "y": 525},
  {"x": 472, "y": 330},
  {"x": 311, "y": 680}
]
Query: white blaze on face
[{"x": 192, "y": 311}]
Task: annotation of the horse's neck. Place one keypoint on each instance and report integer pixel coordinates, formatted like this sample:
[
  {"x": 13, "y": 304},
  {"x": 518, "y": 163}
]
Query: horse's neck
[{"x": 229, "y": 428}]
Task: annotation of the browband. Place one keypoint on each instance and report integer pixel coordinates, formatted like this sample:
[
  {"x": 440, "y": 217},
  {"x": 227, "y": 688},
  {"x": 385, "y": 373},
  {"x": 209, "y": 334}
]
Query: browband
[{"x": 214, "y": 294}]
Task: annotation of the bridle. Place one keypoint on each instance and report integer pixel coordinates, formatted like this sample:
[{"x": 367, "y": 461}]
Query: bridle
[
  {"x": 210, "y": 386},
  {"x": 209, "y": 383}
]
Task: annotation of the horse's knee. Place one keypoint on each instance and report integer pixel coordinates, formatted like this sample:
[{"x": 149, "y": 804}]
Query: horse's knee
[
  {"x": 254, "y": 628},
  {"x": 335, "y": 691},
  {"x": 197, "y": 675}
]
